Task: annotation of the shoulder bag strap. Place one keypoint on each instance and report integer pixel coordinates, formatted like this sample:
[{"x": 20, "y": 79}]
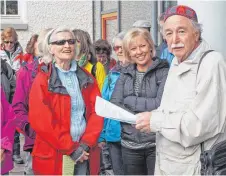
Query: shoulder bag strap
[{"x": 208, "y": 51}]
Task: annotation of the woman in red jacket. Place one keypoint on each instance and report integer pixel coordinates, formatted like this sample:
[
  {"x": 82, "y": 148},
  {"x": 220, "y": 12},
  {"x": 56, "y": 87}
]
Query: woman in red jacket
[{"x": 62, "y": 102}]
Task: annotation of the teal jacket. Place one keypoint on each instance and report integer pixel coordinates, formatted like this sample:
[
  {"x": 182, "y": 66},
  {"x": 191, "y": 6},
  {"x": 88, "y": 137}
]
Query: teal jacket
[{"x": 112, "y": 129}]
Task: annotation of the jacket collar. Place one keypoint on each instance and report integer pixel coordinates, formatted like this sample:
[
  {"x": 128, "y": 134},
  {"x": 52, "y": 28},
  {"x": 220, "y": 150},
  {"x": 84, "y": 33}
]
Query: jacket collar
[
  {"x": 193, "y": 58},
  {"x": 55, "y": 84},
  {"x": 131, "y": 69}
]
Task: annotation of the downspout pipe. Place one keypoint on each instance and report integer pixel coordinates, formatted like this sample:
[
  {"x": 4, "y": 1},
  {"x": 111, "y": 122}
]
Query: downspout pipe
[
  {"x": 101, "y": 9},
  {"x": 119, "y": 15},
  {"x": 154, "y": 25},
  {"x": 93, "y": 18}
]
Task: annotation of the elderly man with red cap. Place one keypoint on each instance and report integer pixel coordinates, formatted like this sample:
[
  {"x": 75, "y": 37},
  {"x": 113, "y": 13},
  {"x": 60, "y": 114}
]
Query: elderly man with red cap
[{"x": 192, "y": 111}]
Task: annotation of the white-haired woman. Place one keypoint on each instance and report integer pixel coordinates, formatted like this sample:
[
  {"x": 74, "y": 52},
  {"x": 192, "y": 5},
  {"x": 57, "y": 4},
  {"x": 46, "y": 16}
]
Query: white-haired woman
[
  {"x": 139, "y": 88},
  {"x": 110, "y": 138},
  {"x": 61, "y": 109}
]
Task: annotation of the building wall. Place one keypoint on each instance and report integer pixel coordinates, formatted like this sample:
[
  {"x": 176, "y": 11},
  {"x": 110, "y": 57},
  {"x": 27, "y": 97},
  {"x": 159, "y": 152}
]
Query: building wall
[
  {"x": 97, "y": 20},
  {"x": 212, "y": 15},
  {"x": 109, "y": 5},
  {"x": 51, "y": 14},
  {"x": 132, "y": 11}
]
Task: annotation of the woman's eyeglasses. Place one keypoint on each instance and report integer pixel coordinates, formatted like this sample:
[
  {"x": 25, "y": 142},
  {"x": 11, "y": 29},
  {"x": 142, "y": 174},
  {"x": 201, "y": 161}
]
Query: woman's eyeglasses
[
  {"x": 116, "y": 48},
  {"x": 63, "y": 42},
  {"x": 7, "y": 42},
  {"x": 101, "y": 50}
]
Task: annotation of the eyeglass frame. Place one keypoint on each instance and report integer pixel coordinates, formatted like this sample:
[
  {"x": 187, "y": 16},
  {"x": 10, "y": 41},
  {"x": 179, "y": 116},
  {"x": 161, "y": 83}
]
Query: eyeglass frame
[
  {"x": 69, "y": 41},
  {"x": 7, "y": 42}
]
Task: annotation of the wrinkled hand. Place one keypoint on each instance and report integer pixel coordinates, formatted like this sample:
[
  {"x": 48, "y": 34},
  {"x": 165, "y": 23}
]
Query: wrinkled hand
[
  {"x": 101, "y": 144},
  {"x": 2, "y": 155},
  {"x": 143, "y": 122},
  {"x": 85, "y": 156}
]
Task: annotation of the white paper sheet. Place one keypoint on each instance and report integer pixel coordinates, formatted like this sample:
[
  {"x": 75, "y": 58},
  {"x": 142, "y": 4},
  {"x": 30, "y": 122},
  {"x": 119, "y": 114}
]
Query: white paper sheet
[{"x": 109, "y": 110}]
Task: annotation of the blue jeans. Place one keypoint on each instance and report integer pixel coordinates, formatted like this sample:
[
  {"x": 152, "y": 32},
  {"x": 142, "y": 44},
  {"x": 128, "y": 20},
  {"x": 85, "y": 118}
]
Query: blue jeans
[{"x": 138, "y": 162}]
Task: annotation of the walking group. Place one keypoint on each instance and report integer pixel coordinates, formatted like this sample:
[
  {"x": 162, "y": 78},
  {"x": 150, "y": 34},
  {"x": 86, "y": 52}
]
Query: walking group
[{"x": 177, "y": 91}]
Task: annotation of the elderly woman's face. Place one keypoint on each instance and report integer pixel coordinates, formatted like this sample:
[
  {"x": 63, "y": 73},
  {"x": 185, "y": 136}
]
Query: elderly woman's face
[
  {"x": 181, "y": 36},
  {"x": 118, "y": 49},
  {"x": 63, "y": 46},
  {"x": 9, "y": 43},
  {"x": 101, "y": 54},
  {"x": 140, "y": 51}
]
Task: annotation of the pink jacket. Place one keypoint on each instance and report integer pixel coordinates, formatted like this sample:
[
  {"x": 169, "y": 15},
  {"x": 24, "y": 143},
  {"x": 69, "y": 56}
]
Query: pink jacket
[{"x": 8, "y": 125}]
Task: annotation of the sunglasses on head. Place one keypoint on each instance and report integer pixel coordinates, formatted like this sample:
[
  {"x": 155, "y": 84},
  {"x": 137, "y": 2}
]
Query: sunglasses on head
[
  {"x": 11, "y": 42},
  {"x": 116, "y": 48},
  {"x": 63, "y": 42}
]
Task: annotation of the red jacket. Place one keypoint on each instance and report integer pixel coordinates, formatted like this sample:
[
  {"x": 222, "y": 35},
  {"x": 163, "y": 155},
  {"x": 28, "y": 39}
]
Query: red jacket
[{"x": 49, "y": 116}]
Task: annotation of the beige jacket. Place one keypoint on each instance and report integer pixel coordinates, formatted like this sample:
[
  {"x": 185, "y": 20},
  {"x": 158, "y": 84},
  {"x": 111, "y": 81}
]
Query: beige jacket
[{"x": 191, "y": 111}]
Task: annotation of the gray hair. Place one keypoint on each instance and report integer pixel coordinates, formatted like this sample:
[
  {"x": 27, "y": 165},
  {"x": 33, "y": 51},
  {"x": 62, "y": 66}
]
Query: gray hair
[
  {"x": 198, "y": 27},
  {"x": 119, "y": 36},
  {"x": 85, "y": 42},
  {"x": 40, "y": 40},
  {"x": 49, "y": 37}
]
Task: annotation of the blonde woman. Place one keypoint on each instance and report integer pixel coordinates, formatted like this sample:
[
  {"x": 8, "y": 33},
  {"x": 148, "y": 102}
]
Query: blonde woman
[{"x": 139, "y": 88}]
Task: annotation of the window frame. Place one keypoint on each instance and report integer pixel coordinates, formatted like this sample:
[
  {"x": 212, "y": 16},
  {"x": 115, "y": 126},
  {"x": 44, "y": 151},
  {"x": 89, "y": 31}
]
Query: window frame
[
  {"x": 104, "y": 19},
  {"x": 16, "y": 21}
]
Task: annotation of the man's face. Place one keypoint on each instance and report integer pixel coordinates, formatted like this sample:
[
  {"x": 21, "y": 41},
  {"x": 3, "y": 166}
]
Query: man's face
[{"x": 181, "y": 36}]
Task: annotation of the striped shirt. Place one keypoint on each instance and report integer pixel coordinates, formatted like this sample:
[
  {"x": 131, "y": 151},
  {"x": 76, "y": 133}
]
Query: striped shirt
[
  {"x": 70, "y": 82},
  {"x": 138, "y": 81},
  {"x": 131, "y": 144}
]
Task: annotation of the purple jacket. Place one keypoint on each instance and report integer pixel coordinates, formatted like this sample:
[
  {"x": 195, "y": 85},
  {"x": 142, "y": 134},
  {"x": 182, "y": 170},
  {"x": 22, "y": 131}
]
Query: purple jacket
[
  {"x": 8, "y": 126},
  {"x": 25, "y": 77}
]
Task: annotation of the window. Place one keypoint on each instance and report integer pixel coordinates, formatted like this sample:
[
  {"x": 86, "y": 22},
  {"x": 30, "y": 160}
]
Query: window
[
  {"x": 109, "y": 26},
  {"x": 9, "y": 7},
  {"x": 13, "y": 14}
]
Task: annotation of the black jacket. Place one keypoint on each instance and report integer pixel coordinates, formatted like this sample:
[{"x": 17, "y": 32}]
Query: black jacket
[
  {"x": 8, "y": 81},
  {"x": 148, "y": 99}
]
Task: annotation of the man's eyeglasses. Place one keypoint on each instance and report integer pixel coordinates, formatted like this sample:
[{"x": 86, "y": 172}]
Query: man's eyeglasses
[
  {"x": 7, "y": 42},
  {"x": 62, "y": 42},
  {"x": 101, "y": 50},
  {"x": 116, "y": 48}
]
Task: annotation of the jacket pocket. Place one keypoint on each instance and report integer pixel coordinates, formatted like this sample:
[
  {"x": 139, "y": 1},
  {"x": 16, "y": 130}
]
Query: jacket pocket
[{"x": 43, "y": 150}]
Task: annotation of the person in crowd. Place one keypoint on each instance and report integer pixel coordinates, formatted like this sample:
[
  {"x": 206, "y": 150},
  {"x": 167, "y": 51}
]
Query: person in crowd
[
  {"x": 139, "y": 87},
  {"x": 8, "y": 124},
  {"x": 162, "y": 50},
  {"x": 8, "y": 81},
  {"x": 103, "y": 54},
  {"x": 10, "y": 48},
  {"x": 9, "y": 53},
  {"x": 61, "y": 109},
  {"x": 193, "y": 111},
  {"x": 85, "y": 55},
  {"x": 25, "y": 77},
  {"x": 143, "y": 24},
  {"x": 111, "y": 133}
]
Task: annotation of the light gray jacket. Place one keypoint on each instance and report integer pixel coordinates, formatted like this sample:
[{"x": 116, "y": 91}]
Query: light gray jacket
[{"x": 192, "y": 110}]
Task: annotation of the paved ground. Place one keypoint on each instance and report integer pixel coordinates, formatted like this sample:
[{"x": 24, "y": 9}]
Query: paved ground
[{"x": 19, "y": 168}]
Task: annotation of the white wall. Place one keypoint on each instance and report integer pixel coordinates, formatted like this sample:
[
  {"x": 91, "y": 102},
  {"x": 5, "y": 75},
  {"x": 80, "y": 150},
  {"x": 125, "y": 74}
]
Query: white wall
[
  {"x": 212, "y": 14},
  {"x": 51, "y": 14}
]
